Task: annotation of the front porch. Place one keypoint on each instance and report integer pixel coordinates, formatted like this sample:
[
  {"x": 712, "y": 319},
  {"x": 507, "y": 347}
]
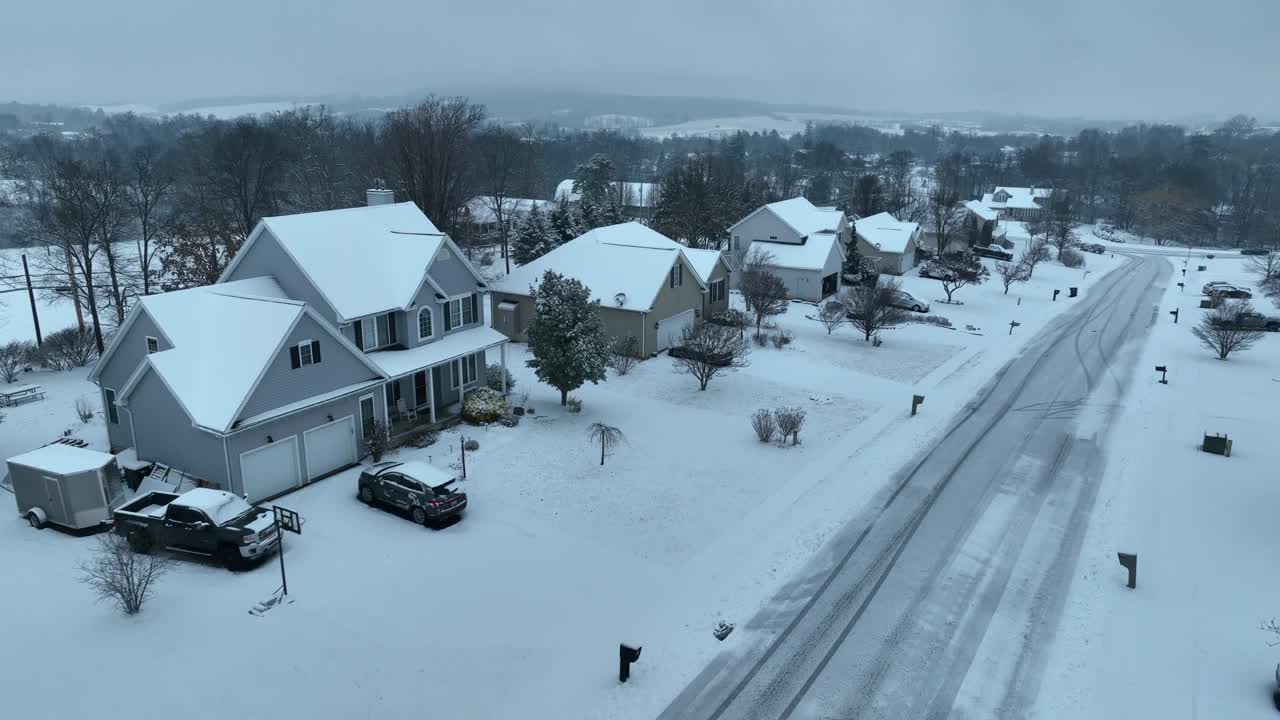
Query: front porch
[{"x": 431, "y": 397}]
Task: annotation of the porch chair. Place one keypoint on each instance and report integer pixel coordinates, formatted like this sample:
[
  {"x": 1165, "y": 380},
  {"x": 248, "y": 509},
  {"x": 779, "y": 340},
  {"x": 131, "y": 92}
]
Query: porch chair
[{"x": 406, "y": 411}]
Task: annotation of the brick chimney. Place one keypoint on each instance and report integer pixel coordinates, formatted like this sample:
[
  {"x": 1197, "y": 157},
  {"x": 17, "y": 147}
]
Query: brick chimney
[{"x": 379, "y": 195}]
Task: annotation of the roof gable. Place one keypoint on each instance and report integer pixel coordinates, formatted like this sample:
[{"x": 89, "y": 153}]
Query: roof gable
[{"x": 804, "y": 217}]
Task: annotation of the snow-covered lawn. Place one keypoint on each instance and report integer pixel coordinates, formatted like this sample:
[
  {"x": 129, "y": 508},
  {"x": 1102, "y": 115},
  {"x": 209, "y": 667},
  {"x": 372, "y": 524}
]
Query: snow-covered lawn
[
  {"x": 1186, "y": 642},
  {"x": 516, "y": 611}
]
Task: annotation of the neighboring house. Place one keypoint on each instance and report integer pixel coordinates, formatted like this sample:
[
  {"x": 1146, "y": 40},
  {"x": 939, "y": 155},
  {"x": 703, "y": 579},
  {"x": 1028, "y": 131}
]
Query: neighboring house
[
  {"x": 636, "y": 198},
  {"x": 1018, "y": 203},
  {"x": 483, "y": 219},
  {"x": 982, "y": 224},
  {"x": 807, "y": 244},
  {"x": 647, "y": 285},
  {"x": 323, "y": 325},
  {"x": 891, "y": 242}
]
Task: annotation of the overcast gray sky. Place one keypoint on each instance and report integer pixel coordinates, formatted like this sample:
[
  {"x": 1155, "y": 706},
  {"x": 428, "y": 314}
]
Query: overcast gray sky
[{"x": 1093, "y": 58}]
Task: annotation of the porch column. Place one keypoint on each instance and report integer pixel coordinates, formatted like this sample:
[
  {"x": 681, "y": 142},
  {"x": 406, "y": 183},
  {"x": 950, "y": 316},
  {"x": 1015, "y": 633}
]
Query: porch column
[
  {"x": 502, "y": 353},
  {"x": 431, "y": 394}
]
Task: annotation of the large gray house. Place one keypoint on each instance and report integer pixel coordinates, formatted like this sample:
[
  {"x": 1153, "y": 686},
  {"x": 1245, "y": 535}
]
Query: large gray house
[
  {"x": 806, "y": 245},
  {"x": 321, "y": 326}
]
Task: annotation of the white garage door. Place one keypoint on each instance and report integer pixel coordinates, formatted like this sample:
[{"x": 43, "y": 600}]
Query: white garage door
[
  {"x": 669, "y": 330},
  {"x": 330, "y": 446},
  {"x": 270, "y": 469}
]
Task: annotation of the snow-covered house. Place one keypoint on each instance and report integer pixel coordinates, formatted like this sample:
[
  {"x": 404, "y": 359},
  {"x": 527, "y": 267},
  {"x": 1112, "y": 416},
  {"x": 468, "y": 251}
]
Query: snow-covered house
[
  {"x": 483, "y": 218},
  {"x": 807, "y": 244},
  {"x": 635, "y": 198},
  {"x": 648, "y": 286},
  {"x": 889, "y": 241},
  {"x": 323, "y": 325},
  {"x": 982, "y": 224},
  {"x": 1018, "y": 203}
]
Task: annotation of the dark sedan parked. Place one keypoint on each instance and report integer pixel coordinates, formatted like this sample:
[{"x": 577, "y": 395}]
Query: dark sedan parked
[
  {"x": 421, "y": 490},
  {"x": 992, "y": 251}
]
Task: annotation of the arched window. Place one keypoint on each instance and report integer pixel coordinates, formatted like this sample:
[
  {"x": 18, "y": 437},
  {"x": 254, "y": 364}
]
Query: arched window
[{"x": 424, "y": 323}]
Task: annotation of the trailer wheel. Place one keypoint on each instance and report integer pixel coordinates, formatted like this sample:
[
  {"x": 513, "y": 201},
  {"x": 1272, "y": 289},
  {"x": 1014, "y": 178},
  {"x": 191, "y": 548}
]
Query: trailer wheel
[
  {"x": 139, "y": 541},
  {"x": 35, "y": 520}
]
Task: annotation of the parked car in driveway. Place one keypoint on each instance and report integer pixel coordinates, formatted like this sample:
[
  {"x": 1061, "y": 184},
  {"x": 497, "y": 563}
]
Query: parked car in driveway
[
  {"x": 203, "y": 521},
  {"x": 423, "y": 491},
  {"x": 1230, "y": 291},
  {"x": 1255, "y": 251},
  {"x": 1255, "y": 321},
  {"x": 1208, "y": 287},
  {"x": 906, "y": 301},
  {"x": 935, "y": 272},
  {"x": 992, "y": 251}
]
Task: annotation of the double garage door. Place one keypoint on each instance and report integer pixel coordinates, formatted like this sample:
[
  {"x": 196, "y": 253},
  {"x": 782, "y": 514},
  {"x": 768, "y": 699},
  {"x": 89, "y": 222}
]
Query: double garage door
[{"x": 275, "y": 468}]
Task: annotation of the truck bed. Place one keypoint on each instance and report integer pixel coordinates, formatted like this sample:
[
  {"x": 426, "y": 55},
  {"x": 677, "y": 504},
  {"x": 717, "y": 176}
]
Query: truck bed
[{"x": 151, "y": 505}]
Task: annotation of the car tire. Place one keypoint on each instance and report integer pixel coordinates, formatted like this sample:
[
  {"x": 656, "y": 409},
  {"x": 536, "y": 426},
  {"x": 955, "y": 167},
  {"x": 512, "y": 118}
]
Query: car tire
[
  {"x": 366, "y": 495},
  {"x": 229, "y": 557},
  {"x": 33, "y": 518},
  {"x": 419, "y": 516},
  {"x": 916, "y": 308},
  {"x": 139, "y": 541}
]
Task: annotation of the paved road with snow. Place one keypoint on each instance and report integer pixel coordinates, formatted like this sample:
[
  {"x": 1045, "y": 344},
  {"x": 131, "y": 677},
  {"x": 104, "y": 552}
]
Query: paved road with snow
[{"x": 938, "y": 601}]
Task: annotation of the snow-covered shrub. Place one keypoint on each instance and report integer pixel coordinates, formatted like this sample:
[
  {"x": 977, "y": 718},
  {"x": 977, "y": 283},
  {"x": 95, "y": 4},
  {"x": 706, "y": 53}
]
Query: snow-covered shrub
[
  {"x": 760, "y": 338},
  {"x": 425, "y": 438},
  {"x": 378, "y": 441},
  {"x": 84, "y": 409},
  {"x": 624, "y": 354},
  {"x": 14, "y": 357},
  {"x": 574, "y": 405},
  {"x": 731, "y": 318},
  {"x": 763, "y": 423},
  {"x": 493, "y": 378},
  {"x": 68, "y": 348},
  {"x": 509, "y": 421},
  {"x": 120, "y": 575},
  {"x": 471, "y": 445},
  {"x": 935, "y": 320},
  {"x": 1071, "y": 258},
  {"x": 781, "y": 339},
  {"x": 483, "y": 405},
  {"x": 789, "y": 420}
]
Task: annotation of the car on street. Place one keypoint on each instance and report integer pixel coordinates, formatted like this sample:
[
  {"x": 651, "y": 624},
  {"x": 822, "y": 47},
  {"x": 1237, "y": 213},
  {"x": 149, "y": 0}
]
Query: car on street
[
  {"x": 1255, "y": 251},
  {"x": 992, "y": 251},
  {"x": 1094, "y": 248},
  {"x": 203, "y": 521},
  {"x": 1255, "y": 321},
  {"x": 424, "y": 492},
  {"x": 906, "y": 301},
  {"x": 1208, "y": 287},
  {"x": 933, "y": 271},
  {"x": 1230, "y": 291}
]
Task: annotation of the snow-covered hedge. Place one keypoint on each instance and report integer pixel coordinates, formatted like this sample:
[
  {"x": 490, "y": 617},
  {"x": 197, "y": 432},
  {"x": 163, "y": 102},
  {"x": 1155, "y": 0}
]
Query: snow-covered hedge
[{"x": 483, "y": 405}]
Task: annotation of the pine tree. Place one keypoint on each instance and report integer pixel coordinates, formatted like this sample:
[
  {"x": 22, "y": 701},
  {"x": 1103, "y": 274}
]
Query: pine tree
[
  {"x": 565, "y": 224},
  {"x": 534, "y": 238},
  {"x": 611, "y": 214},
  {"x": 566, "y": 335}
]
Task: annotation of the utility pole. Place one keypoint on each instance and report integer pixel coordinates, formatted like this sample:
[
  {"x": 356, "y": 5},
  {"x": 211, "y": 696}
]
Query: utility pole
[{"x": 31, "y": 296}]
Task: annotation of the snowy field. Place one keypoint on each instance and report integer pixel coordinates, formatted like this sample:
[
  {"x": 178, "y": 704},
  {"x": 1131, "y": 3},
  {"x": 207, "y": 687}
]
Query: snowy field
[
  {"x": 559, "y": 559},
  {"x": 1186, "y": 642}
]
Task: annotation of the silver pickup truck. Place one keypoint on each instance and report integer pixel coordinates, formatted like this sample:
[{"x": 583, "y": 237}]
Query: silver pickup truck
[{"x": 208, "y": 522}]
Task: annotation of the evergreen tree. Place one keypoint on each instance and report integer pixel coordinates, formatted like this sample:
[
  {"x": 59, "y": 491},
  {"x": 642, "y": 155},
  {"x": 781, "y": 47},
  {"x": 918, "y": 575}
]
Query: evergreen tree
[
  {"x": 566, "y": 335},
  {"x": 565, "y": 224},
  {"x": 591, "y": 179},
  {"x": 534, "y": 238},
  {"x": 588, "y": 215},
  {"x": 611, "y": 214}
]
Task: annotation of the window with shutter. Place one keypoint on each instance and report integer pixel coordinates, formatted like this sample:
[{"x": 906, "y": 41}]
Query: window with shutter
[
  {"x": 295, "y": 359},
  {"x": 358, "y": 331},
  {"x": 113, "y": 413},
  {"x": 468, "y": 309},
  {"x": 304, "y": 353},
  {"x": 315, "y": 351},
  {"x": 453, "y": 318}
]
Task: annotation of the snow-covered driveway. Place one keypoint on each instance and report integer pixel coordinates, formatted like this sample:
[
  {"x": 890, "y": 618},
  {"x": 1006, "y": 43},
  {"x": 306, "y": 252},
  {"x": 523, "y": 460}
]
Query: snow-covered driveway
[{"x": 939, "y": 600}]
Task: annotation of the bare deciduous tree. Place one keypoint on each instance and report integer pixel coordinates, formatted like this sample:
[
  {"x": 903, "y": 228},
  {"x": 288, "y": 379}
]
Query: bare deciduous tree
[
  {"x": 1037, "y": 251},
  {"x": 148, "y": 185},
  {"x": 872, "y": 308},
  {"x": 763, "y": 292},
  {"x": 624, "y": 354},
  {"x": 14, "y": 356},
  {"x": 608, "y": 436},
  {"x": 118, "y": 575},
  {"x": 832, "y": 315},
  {"x": 501, "y": 154},
  {"x": 708, "y": 350},
  {"x": 1266, "y": 268},
  {"x": 1011, "y": 273},
  {"x": 426, "y": 148},
  {"x": 958, "y": 270},
  {"x": 1221, "y": 332}
]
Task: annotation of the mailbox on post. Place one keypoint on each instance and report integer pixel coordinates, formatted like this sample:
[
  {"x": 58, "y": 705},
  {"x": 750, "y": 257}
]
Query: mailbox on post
[
  {"x": 916, "y": 401},
  {"x": 1163, "y": 370}
]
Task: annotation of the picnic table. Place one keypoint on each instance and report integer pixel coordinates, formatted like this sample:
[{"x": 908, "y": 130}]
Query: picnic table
[{"x": 13, "y": 395}]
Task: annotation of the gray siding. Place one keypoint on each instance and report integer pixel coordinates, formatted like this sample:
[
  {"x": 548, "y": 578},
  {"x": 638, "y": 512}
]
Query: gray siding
[
  {"x": 807, "y": 284},
  {"x": 448, "y": 271},
  {"x": 282, "y": 384},
  {"x": 165, "y": 433},
  {"x": 115, "y": 373},
  {"x": 266, "y": 257},
  {"x": 296, "y": 424},
  {"x": 764, "y": 226},
  {"x": 709, "y": 308}
]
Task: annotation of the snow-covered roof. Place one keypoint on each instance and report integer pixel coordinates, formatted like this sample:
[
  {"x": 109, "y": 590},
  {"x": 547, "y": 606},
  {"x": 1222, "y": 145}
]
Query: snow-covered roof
[
  {"x": 481, "y": 207},
  {"x": 804, "y": 217},
  {"x": 1022, "y": 198},
  {"x": 363, "y": 260},
  {"x": 427, "y": 473},
  {"x": 396, "y": 363},
  {"x": 564, "y": 191},
  {"x": 59, "y": 459},
  {"x": 981, "y": 210},
  {"x": 306, "y": 402},
  {"x": 618, "y": 260},
  {"x": 633, "y": 194},
  {"x": 810, "y": 255},
  {"x": 703, "y": 262},
  {"x": 886, "y": 232},
  {"x": 220, "y": 505}
]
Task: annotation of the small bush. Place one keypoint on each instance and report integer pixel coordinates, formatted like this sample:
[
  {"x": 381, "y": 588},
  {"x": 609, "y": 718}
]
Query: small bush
[
  {"x": 781, "y": 339},
  {"x": 509, "y": 421},
  {"x": 729, "y": 318},
  {"x": 378, "y": 441},
  {"x": 1071, "y": 258},
  {"x": 68, "y": 348},
  {"x": 763, "y": 423},
  {"x": 935, "y": 320},
  {"x": 423, "y": 439},
  {"x": 471, "y": 445},
  {"x": 789, "y": 420},
  {"x": 760, "y": 339},
  {"x": 84, "y": 409},
  {"x": 624, "y": 354},
  {"x": 573, "y": 404},
  {"x": 119, "y": 575},
  {"x": 493, "y": 378},
  {"x": 14, "y": 357},
  {"x": 483, "y": 405}
]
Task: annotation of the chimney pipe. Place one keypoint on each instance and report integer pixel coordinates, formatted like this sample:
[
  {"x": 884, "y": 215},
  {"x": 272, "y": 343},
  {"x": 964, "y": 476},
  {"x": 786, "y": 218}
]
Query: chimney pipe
[{"x": 379, "y": 195}]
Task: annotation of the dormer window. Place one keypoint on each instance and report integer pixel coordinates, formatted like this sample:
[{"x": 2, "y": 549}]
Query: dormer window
[
  {"x": 153, "y": 345},
  {"x": 374, "y": 332},
  {"x": 460, "y": 312}
]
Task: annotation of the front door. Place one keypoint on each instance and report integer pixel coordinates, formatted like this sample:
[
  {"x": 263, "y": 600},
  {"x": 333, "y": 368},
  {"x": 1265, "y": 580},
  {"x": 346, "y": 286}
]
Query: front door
[
  {"x": 420, "y": 388},
  {"x": 366, "y": 416}
]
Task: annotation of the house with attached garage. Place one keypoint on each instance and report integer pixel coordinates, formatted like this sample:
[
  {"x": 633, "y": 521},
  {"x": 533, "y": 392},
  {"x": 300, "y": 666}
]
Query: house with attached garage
[
  {"x": 890, "y": 242},
  {"x": 648, "y": 285},
  {"x": 323, "y": 325},
  {"x": 807, "y": 245},
  {"x": 1018, "y": 203}
]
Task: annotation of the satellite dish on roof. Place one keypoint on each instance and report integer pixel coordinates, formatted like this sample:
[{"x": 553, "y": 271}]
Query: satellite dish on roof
[{"x": 620, "y": 299}]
